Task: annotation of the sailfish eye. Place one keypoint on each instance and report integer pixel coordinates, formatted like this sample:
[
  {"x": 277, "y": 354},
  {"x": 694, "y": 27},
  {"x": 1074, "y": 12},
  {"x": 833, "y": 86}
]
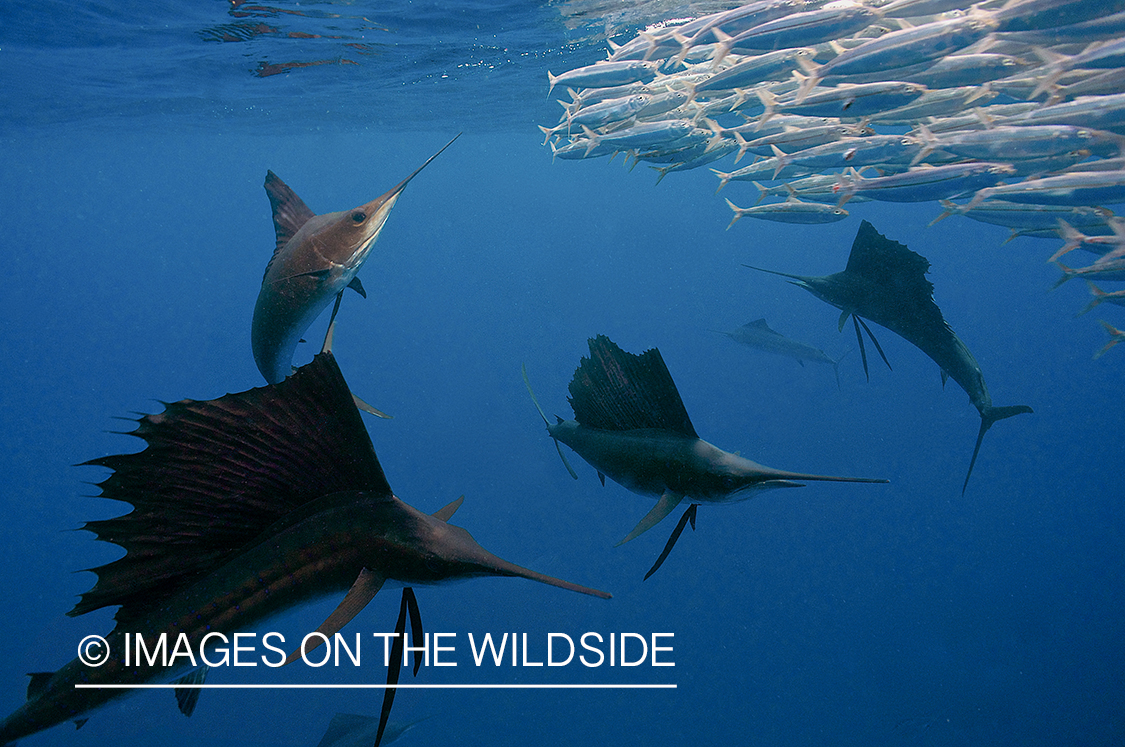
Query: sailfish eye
[{"x": 359, "y": 216}]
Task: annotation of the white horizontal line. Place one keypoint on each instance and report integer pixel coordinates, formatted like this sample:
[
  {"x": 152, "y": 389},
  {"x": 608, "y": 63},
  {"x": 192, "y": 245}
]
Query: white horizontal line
[{"x": 171, "y": 686}]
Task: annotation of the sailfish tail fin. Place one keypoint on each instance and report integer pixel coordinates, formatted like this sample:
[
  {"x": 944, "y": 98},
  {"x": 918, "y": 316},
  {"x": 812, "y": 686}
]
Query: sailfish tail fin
[{"x": 988, "y": 416}]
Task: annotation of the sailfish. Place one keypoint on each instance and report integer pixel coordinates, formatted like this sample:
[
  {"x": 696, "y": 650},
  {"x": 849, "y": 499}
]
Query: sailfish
[
  {"x": 885, "y": 282},
  {"x": 631, "y": 425},
  {"x": 315, "y": 259},
  {"x": 243, "y": 507}
]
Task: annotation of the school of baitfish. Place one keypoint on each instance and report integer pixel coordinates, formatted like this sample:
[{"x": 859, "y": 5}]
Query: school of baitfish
[{"x": 1009, "y": 112}]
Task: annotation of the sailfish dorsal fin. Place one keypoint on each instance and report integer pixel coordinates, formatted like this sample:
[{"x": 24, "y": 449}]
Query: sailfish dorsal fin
[
  {"x": 892, "y": 265},
  {"x": 216, "y": 474},
  {"x": 289, "y": 211},
  {"x": 761, "y": 326},
  {"x": 616, "y": 390},
  {"x": 900, "y": 275}
]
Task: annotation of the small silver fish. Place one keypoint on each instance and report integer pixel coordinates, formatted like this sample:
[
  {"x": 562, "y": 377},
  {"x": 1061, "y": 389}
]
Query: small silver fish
[
  {"x": 833, "y": 21},
  {"x": 1108, "y": 247},
  {"x": 853, "y": 151},
  {"x": 641, "y": 135},
  {"x": 1100, "y": 296},
  {"x": 790, "y": 211},
  {"x": 603, "y": 74},
  {"x": 924, "y": 183},
  {"x": 908, "y": 46},
  {"x": 859, "y": 100},
  {"x": 1078, "y": 188}
]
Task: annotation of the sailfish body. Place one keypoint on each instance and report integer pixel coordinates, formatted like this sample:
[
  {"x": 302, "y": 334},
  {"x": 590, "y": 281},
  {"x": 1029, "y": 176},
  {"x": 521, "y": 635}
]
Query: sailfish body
[
  {"x": 631, "y": 426},
  {"x": 653, "y": 462},
  {"x": 246, "y": 506},
  {"x": 316, "y": 258},
  {"x": 885, "y": 282}
]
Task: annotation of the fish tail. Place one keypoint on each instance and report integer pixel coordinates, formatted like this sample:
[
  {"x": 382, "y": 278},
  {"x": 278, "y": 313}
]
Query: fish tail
[
  {"x": 782, "y": 159},
  {"x": 723, "y": 179},
  {"x": 1055, "y": 69},
  {"x": 742, "y": 143},
  {"x": 980, "y": 196},
  {"x": 738, "y": 213},
  {"x": 988, "y": 416},
  {"x": 949, "y": 208},
  {"x": 769, "y": 102},
  {"x": 1099, "y": 296},
  {"x": 722, "y": 47},
  {"x": 763, "y": 191},
  {"x": 807, "y": 83},
  {"x": 1068, "y": 273},
  {"x": 1114, "y": 333},
  {"x": 930, "y": 143},
  {"x": 1071, "y": 235}
]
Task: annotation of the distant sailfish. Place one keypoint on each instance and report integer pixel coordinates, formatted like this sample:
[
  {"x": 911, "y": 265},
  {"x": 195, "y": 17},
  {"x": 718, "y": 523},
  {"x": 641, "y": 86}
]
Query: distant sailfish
[
  {"x": 243, "y": 507},
  {"x": 316, "y": 258},
  {"x": 757, "y": 334},
  {"x": 886, "y": 283},
  {"x": 631, "y": 425}
]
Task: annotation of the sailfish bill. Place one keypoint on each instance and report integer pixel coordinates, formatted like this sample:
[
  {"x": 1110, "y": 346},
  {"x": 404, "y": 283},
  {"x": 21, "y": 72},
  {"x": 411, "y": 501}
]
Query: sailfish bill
[
  {"x": 316, "y": 257},
  {"x": 243, "y": 507},
  {"x": 631, "y": 426},
  {"x": 886, "y": 282}
]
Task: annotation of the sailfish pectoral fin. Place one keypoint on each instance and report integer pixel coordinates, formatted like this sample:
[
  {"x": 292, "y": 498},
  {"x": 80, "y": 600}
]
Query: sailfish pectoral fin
[
  {"x": 565, "y": 462},
  {"x": 663, "y": 507},
  {"x": 366, "y": 586},
  {"x": 527, "y": 383},
  {"x": 368, "y": 408},
  {"x": 357, "y": 287},
  {"x": 332, "y": 321},
  {"x": 689, "y": 515},
  {"x": 394, "y": 666},
  {"x": 330, "y": 333}
]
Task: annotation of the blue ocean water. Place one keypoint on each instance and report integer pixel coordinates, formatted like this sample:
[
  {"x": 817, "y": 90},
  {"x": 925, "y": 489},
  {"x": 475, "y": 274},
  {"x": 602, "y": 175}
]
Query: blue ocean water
[{"x": 135, "y": 231}]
